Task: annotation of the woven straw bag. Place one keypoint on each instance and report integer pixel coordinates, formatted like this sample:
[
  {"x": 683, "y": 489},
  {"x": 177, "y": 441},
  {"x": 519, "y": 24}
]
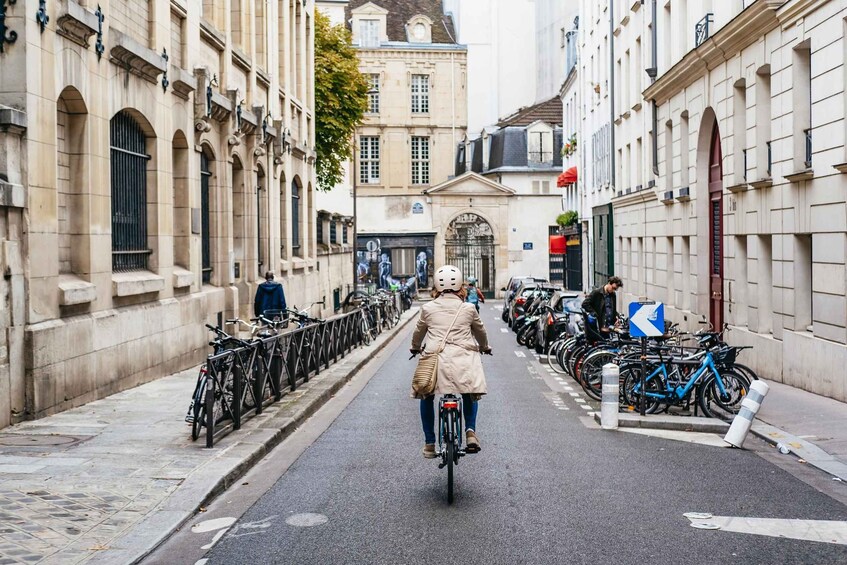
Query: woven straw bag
[{"x": 426, "y": 373}]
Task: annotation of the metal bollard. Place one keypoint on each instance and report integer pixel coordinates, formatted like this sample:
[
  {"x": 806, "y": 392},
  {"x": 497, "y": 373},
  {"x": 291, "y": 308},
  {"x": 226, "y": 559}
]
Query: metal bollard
[
  {"x": 744, "y": 419},
  {"x": 611, "y": 391}
]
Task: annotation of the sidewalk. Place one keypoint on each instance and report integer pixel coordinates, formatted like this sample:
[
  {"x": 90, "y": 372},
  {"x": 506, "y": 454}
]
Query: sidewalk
[
  {"x": 813, "y": 427},
  {"x": 107, "y": 482}
]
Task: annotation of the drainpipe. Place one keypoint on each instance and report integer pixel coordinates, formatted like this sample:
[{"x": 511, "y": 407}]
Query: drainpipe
[
  {"x": 612, "y": 92},
  {"x": 453, "y": 98},
  {"x": 655, "y": 71}
]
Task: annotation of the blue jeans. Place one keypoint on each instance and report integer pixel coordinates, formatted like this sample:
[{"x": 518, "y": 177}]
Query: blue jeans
[{"x": 469, "y": 410}]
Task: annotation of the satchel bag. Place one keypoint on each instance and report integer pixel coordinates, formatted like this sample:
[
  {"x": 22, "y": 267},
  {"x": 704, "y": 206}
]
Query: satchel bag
[{"x": 426, "y": 373}]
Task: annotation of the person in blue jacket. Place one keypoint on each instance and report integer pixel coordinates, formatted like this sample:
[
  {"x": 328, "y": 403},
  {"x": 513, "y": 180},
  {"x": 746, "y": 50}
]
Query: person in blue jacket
[{"x": 270, "y": 298}]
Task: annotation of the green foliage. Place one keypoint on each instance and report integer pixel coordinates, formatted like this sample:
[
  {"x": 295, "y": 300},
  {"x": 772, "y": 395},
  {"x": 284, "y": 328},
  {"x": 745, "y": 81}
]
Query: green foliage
[
  {"x": 341, "y": 98},
  {"x": 567, "y": 219}
]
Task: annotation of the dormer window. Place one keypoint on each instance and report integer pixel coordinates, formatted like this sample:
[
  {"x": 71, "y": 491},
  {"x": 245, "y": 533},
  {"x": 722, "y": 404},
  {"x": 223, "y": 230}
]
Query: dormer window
[
  {"x": 539, "y": 143},
  {"x": 369, "y": 33},
  {"x": 419, "y": 29}
]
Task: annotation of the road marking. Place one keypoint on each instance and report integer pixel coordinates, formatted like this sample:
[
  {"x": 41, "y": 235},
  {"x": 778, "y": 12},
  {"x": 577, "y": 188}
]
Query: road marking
[
  {"x": 520, "y": 354},
  {"x": 306, "y": 520},
  {"x": 212, "y": 525},
  {"x": 574, "y": 394},
  {"x": 504, "y": 330},
  {"x": 563, "y": 408},
  {"x": 824, "y": 531},
  {"x": 580, "y": 400},
  {"x": 585, "y": 407},
  {"x": 711, "y": 440}
]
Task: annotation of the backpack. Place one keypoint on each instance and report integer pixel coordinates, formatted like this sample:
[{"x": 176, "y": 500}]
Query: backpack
[{"x": 473, "y": 297}]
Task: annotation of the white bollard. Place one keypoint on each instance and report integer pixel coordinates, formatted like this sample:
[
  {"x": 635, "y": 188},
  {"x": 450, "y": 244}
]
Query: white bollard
[
  {"x": 744, "y": 419},
  {"x": 611, "y": 390}
]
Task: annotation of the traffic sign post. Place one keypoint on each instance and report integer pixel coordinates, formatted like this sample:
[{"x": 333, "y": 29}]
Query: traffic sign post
[{"x": 646, "y": 319}]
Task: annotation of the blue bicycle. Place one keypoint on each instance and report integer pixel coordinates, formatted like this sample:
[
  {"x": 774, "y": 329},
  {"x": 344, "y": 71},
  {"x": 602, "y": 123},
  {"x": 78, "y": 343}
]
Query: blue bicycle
[{"x": 719, "y": 392}]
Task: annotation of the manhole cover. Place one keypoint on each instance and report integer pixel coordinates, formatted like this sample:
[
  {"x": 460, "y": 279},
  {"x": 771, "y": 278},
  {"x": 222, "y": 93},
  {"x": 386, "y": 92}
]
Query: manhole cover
[{"x": 42, "y": 440}]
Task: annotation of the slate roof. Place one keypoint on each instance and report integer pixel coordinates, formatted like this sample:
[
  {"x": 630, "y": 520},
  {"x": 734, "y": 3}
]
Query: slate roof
[
  {"x": 401, "y": 11},
  {"x": 549, "y": 111},
  {"x": 508, "y": 151}
]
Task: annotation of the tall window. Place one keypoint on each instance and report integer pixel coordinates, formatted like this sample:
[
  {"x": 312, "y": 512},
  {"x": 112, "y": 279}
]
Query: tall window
[
  {"x": 420, "y": 94},
  {"x": 369, "y": 33},
  {"x": 206, "y": 246},
  {"x": 295, "y": 215},
  {"x": 129, "y": 194},
  {"x": 369, "y": 159},
  {"x": 373, "y": 94},
  {"x": 420, "y": 160}
]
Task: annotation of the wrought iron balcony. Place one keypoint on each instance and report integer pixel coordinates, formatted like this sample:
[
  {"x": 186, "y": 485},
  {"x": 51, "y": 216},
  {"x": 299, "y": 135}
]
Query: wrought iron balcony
[
  {"x": 808, "y": 161},
  {"x": 702, "y": 29}
]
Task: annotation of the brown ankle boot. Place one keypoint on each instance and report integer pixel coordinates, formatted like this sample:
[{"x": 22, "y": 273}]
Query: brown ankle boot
[{"x": 472, "y": 442}]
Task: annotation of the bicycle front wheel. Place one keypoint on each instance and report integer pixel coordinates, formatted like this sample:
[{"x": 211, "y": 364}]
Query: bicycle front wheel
[{"x": 724, "y": 406}]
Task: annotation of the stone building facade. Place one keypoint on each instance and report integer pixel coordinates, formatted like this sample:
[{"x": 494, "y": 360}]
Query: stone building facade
[
  {"x": 158, "y": 157},
  {"x": 417, "y": 113},
  {"x": 748, "y": 223}
]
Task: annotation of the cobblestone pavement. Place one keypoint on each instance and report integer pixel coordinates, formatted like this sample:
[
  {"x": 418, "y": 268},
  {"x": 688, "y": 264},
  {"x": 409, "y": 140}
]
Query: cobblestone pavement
[{"x": 73, "y": 482}]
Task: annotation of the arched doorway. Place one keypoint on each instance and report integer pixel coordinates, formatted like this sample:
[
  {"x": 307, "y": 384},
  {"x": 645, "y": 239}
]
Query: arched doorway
[
  {"x": 470, "y": 247},
  {"x": 715, "y": 230}
]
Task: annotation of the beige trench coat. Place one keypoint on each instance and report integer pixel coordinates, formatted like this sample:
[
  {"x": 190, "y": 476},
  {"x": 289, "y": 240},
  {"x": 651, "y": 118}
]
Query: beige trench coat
[{"x": 460, "y": 364}]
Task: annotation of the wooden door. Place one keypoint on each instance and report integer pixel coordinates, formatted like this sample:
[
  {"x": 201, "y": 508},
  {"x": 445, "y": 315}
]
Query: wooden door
[{"x": 715, "y": 231}]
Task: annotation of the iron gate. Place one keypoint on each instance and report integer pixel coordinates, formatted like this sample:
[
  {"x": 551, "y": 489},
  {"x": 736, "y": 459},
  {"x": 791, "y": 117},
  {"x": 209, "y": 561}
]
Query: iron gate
[
  {"x": 205, "y": 176},
  {"x": 470, "y": 247},
  {"x": 129, "y": 194}
]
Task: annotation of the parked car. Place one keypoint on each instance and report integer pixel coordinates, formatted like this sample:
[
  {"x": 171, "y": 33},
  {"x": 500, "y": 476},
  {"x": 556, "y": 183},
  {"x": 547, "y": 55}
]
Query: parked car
[
  {"x": 558, "y": 317},
  {"x": 510, "y": 291},
  {"x": 529, "y": 293}
]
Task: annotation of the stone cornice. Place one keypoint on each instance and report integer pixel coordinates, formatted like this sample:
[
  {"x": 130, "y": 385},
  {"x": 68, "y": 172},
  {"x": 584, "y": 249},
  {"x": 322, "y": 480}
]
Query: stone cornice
[
  {"x": 797, "y": 9},
  {"x": 745, "y": 29},
  {"x": 134, "y": 57},
  {"x": 76, "y": 23},
  {"x": 633, "y": 198}
]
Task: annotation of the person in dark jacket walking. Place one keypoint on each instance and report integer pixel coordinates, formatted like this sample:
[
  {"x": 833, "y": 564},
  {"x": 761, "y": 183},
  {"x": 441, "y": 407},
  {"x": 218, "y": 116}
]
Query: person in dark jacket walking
[
  {"x": 601, "y": 304},
  {"x": 270, "y": 298}
]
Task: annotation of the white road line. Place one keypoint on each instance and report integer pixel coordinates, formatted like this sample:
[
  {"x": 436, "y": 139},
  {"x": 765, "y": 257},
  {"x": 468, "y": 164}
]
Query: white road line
[
  {"x": 504, "y": 330},
  {"x": 585, "y": 407},
  {"x": 824, "y": 531},
  {"x": 580, "y": 400},
  {"x": 574, "y": 394},
  {"x": 520, "y": 354},
  {"x": 563, "y": 408}
]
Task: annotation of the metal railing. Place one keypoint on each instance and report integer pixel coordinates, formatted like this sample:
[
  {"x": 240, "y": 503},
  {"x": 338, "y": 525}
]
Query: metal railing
[
  {"x": 808, "y": 161},
  {"x": 702, "y": 29},
  {"x": 251, "y": 377},
  {"x": 770, "y": 158}
]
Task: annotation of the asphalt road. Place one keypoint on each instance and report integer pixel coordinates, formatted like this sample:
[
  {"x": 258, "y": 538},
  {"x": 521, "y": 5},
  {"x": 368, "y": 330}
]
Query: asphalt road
[{"x": 545, "y": 488}]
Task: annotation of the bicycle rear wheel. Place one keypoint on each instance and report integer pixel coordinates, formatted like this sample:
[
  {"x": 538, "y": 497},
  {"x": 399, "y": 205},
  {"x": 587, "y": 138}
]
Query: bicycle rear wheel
[
  {"x": 451, "y": 457},
  {"x": 199, "y": 412},
  {"x": 723, "y": 406}
]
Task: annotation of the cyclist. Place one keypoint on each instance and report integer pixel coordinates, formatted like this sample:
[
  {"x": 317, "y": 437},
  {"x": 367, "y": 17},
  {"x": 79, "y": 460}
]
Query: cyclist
[
  {"x": 459, "y": 364},
  {"x": 475, "y": 297}
]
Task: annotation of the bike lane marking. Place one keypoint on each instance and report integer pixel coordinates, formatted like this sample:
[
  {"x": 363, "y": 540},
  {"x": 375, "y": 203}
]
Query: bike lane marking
[
  {"x": 823, "y": 531},
  {"x": 520, "y": 354}
]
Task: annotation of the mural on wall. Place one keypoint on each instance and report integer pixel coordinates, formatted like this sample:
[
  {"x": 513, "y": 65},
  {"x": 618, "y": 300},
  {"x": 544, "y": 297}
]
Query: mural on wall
[
  {"x": 421, "y": 265},
  {"x": 375, "y": 265},
  {"x": 384, "y": 269}
]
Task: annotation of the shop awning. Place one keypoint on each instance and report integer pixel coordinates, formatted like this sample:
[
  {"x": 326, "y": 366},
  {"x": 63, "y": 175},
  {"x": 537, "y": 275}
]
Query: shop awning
[
  {"x": 567, "y": 178},
  {"x": 558, "y": 245}
]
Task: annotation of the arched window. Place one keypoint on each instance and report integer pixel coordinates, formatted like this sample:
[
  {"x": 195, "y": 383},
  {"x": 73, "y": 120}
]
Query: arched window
[
  {"x": 205, "y": 216},
  {"x": 129, "y": 194},
  {"x": 295, "y": 215}
]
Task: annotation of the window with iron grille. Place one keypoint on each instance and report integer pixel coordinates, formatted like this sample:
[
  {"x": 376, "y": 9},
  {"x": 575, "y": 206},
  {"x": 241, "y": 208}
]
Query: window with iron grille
[
  {"x": 344, "y": 233},
  {"x": 373, "y": 94},
  {"x": 420, "y": 94},
  {"x": 205, "y": 176},
  {"x": 333, "y": 232},
  {"x": 420, "y": 160},
  {"x": 129, "y": 194},
  {"x": 320, "y": 230},
  {"x": 369, "y": 159},
  {"x": 369, "y": 33},
  {"x": 295, "y": 215}
]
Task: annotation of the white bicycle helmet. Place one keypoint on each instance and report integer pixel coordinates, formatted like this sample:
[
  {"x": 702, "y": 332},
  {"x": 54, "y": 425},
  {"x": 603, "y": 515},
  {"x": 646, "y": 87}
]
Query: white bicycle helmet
[{"x": 448, "y": 277}]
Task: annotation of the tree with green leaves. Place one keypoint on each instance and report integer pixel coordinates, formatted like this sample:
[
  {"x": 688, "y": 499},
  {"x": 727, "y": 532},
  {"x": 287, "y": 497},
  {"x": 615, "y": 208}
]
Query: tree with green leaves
[{"x": 341, "y": 98}]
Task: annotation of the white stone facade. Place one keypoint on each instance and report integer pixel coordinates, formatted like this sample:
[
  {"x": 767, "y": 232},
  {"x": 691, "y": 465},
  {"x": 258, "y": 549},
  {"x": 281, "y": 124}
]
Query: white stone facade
[
  {"x": 765, "y": 75},
  {"x": 234, "y": 113}
]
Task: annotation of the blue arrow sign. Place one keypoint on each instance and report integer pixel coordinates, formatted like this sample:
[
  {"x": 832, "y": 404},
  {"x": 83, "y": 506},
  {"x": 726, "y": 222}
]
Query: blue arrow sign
[{"x": 646, "y": 319}]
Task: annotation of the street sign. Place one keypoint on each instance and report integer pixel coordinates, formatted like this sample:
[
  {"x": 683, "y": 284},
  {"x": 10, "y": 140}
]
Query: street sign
[
  {"x": 527, "y": 246},
  {"x": 372, "y": 245},
  {"x": 646, "y": 319}
]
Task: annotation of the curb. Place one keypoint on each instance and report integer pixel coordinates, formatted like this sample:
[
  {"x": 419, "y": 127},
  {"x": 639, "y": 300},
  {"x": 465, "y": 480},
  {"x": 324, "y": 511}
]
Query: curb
[
  {"x": 809, "y": 452},
  {"x": 258, "y": 436},
  {"x": 676, "y": 423}
]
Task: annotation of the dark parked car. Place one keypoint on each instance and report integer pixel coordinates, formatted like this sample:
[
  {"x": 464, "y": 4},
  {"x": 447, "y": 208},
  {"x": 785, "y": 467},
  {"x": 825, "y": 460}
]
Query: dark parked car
[
  {"x": 509, "y": 293},
  {"x": 558, "y": 317},
  {"x": 528, "y": 294}
]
